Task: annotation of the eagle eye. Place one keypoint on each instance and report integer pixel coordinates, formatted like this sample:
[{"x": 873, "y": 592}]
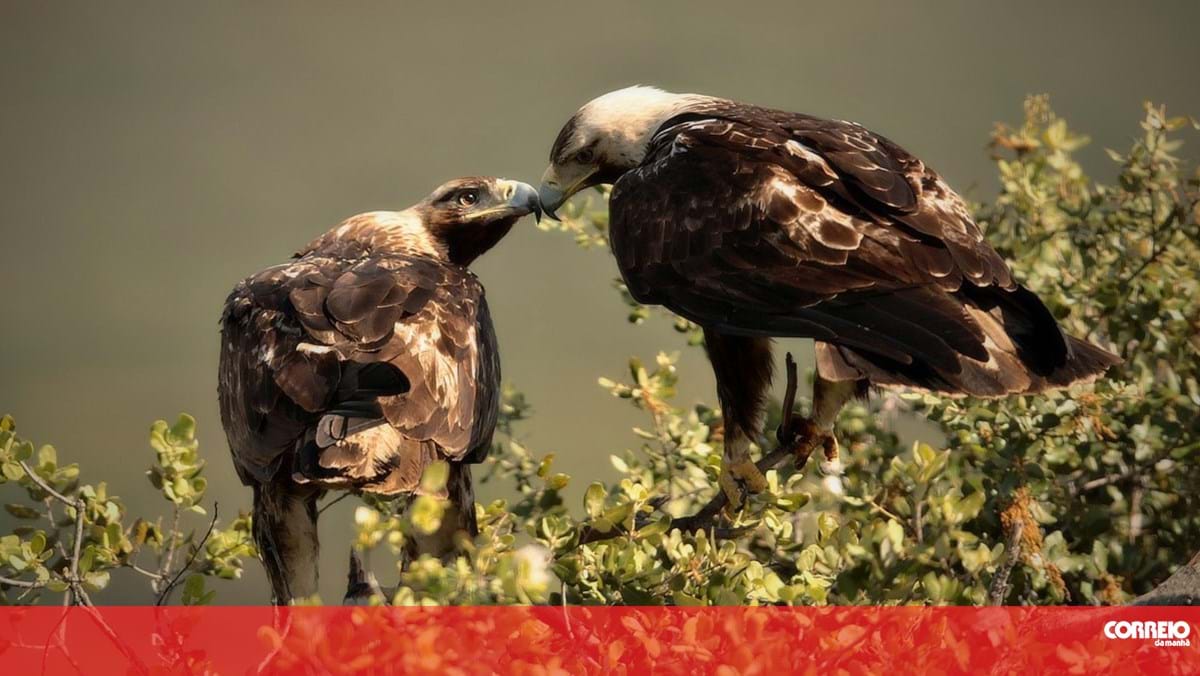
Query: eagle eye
[
  {"x": 585, "y": 156},
  {"x": 467, "y": 198}
]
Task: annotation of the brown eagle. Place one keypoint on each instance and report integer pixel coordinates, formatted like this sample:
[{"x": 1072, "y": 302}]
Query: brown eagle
[
  {"x": 755, "y": 223},
  {"x": 367, "y": 357}
]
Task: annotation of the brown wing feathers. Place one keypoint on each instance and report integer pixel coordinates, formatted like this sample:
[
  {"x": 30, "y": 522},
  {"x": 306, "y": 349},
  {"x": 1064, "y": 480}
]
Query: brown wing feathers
[
  {"x": 364, "y": 369},
  {"x": 760, "y": 222}
]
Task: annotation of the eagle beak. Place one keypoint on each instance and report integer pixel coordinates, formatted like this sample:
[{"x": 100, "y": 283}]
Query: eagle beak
[
  {"x": 522, "y": 198},
  {"x": 552, "y": 198},
  {"x": 552, "y": 194}
]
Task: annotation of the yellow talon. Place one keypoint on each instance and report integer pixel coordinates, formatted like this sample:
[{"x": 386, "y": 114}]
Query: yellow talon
[{"x": 738, "y": 478}]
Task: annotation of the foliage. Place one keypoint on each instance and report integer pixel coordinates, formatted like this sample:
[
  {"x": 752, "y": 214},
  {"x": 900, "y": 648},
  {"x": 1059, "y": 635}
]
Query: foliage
[
  {"x": 74, "y": 536},
  {"x": 1083, "y": 496}
]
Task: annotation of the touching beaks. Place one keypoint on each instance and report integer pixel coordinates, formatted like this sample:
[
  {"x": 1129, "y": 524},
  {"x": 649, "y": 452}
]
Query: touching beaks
[
  {"x": 551, "y": 199},
  {"x": 522, "y": 198},
  {"x": 551, "y": 195}
]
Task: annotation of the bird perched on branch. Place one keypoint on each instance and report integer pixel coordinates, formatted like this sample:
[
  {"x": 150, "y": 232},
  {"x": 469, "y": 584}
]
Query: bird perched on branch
[
  {"x": 362, "y": 361},
  {"x": 753, "y": 223}
]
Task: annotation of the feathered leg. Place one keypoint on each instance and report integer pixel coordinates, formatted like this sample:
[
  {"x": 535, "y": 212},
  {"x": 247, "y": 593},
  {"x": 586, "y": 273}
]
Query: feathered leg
[
  {"x": 742, "y": 366},
  {"x": 285, "y": 530}
]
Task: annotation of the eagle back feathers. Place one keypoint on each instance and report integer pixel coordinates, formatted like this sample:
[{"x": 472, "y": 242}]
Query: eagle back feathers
[
  {"x": 752, "y": 221},
  {"x": 357, "y": 371}
]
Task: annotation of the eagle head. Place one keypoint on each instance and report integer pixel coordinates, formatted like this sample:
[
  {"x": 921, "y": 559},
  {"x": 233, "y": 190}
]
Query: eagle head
[
  {"x": 605, "y": 138},
  {"x": 467, "y": 216}
]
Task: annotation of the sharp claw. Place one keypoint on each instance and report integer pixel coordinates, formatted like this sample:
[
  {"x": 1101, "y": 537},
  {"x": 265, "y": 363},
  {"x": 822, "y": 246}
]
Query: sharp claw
[
  {"x": 804, "y": 437},
  {"x": 830, "y": 444}
]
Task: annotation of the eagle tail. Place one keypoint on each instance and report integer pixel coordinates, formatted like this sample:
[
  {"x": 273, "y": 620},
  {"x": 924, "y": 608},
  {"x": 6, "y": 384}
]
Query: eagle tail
[
  {"x": 1085, "y": 362},
  {"x": 1026, "y": 353}
]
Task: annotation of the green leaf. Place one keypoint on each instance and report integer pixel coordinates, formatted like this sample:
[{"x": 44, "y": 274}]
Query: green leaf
[
  {"x": 433, "y": 480},
  {"x": 593, "y": 499},
  {"x": 22, "y": 511}
]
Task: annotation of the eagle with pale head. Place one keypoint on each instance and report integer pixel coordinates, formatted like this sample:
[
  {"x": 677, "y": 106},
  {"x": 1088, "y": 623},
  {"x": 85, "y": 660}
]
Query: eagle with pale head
[{"x": 755, "y": 223}]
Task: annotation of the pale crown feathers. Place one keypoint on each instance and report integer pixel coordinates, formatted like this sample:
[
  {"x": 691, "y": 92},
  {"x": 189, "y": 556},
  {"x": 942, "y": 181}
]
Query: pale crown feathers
[{"x": 618, "y": 126}]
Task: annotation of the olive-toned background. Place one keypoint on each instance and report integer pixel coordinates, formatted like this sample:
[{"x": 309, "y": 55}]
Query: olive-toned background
[{"x": 153, "y": 154}]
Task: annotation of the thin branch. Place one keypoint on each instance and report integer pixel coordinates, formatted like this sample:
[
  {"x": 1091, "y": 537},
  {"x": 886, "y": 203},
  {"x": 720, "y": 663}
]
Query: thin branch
[
  {"x": 20, "y": 583},
  {"x": 998, "y": 590},
  {"x": 162, "y": 597},
  {"x": 333, "y": 502},
  {"x": 1157, "y": 248},
  {"x": 37, "y": 479},
  {"x": 164, "y": 568},
  {"x": 1105, "y": 480},
  {"x": 148, "y": 573},
  {"x": 880, "y": 509},
  {"x": 76, "y": 588}
]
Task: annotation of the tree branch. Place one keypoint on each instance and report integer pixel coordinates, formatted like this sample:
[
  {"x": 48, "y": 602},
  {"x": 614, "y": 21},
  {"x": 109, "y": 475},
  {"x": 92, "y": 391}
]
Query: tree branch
[
  {"x": 165, "y": 563},
  {"x": 75, "y": 591},
  {"x": 37, "y": 479},
  {"x": 162, "y": 597},
  {"x": 20, "y": 583},
  {"x": 998, "y": 591},
  {"x": 1181, "y": 589}
]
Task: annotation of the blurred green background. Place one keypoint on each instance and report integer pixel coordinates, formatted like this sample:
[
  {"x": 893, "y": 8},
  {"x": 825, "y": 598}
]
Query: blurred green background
[{"x": 156, "y": 153}]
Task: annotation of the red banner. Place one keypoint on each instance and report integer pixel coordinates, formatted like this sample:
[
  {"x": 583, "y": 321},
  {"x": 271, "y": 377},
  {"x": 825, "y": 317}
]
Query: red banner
[{"x": 548, "y": 640}]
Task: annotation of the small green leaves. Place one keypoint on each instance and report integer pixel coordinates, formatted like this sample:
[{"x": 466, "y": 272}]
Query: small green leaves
[
  {"x": 593, "y": 500},
  {"x": 177, "y": 472}
]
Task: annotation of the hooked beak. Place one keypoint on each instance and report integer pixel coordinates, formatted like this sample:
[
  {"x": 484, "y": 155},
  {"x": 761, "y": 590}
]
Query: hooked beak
[
  {"x": 552, "y": 194},
  {"x": 521, "y": 198}
]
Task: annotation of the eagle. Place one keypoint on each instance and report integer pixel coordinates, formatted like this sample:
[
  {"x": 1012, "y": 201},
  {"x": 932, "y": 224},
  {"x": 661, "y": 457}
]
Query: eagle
[
  {"x": 757, "y": 223},
  {"x": 364, "y": 359}
]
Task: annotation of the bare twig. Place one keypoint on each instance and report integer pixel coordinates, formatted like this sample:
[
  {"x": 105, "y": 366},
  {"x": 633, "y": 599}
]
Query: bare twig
[
  {"x": 20, "y": 583},
  {"x": 74, "y": 589},
  {"x": 164, "y": 568},
  {"x": 333, "y": 502},
  {"x": 162, "y": 597},
  {"x": 918, "y": 522},
  {"x": 998, "y": 590},
  {"x": 148, "y": 573},
  {"x": 37, "y": 479},
  {"x": 914, "y": 530},
  {"x": 1157, "y": 249},
  {"x": 1105, "y": 480}
]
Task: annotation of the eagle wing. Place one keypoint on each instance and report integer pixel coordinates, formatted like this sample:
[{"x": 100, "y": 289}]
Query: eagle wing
[
  {"x": 357, "y": 371},
  {"x": 758, "y": 222}
]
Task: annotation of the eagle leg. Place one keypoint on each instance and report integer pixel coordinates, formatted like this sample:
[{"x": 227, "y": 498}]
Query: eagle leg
[
  {"x": 742, "y": 366},
  {"x": 739, "y": 477},
  {"x": 285, "y": 531},
  {"x": 805, "y": 435}
]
